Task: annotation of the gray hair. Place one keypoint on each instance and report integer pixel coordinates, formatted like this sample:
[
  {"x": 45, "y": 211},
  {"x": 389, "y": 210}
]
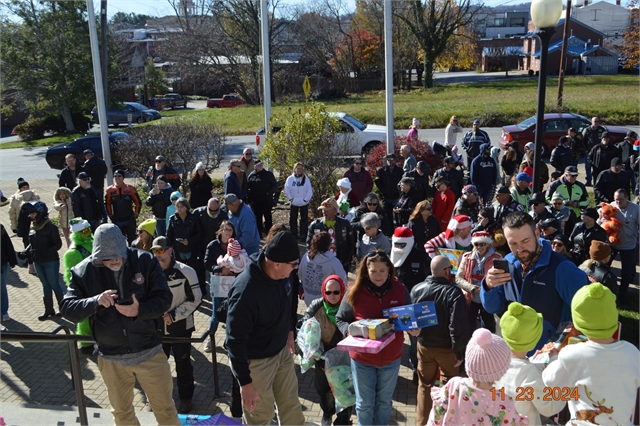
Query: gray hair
[
  {"x": 370, "y": 219},
  {"x": 371, "y": 197},
  {"x": 406, "y": 148}
]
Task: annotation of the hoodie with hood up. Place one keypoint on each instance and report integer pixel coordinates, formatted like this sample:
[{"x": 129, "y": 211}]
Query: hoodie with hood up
[
  {"x": 484, "y": 170},
  {"x": 140, "y": 274}
]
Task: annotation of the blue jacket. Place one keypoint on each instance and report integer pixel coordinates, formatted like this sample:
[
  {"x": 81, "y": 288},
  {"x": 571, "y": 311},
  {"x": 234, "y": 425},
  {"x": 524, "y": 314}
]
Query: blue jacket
[
  {"x": 548, "y": 288},
  {"x": 232, "y": 185},
  {"x": 484, "y": 171},
  {"x": 246, "y": 228}
]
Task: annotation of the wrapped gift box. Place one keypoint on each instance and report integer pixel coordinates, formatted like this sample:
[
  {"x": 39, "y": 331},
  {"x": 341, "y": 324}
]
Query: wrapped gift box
[
  {"x": 368, "y": 346},
  {"x": 411, "y": 317},
  {"x": 370, "y": 328}
]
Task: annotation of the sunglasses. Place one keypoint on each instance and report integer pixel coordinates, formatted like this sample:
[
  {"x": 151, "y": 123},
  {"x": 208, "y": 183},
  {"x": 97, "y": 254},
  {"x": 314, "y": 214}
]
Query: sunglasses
[
  {"x": 294, "y": 264},
  {"x": 86, "y": 231},
  {"x": 85, "y": 179},
  {"x": 372, "y": 204},
  {"x": 336, "y": 293},
  {"x": 139, "y": 231},
  {"x": 377, "y": 253},
  {"x": 118, "y": 176},
  {"x": 158, "y": 251},
  {"x": 214, "y": 211},
  {"x": 367, "y": 228},
  {"x": 448, "y": 267},
  {"x": 159, "y": 161},
  {"x": 556, "y": 244},
  {"x": 428, "y": 209},
  {"x": 400, "y": 245},
  {"x": 479, "y": 244},
  {"x": 558, "y": 204}
]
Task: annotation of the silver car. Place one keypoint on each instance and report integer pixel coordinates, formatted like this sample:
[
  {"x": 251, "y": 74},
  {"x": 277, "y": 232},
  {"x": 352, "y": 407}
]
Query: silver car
[{"x": 119, "y": 114}]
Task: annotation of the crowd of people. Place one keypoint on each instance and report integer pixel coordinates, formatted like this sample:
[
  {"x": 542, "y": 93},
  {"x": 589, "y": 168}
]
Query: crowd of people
[{"x": 491, "y": 255}]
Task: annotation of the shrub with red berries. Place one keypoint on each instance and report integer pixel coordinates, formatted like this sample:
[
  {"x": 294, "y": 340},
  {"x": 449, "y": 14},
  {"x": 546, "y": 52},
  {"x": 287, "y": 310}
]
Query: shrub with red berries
[{"x": 421, "y": 150}]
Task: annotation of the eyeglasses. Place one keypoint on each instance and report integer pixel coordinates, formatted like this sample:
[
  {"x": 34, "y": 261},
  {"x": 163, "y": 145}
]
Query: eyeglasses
[
  {"x": 86, "y": 231},
  {"x": 479, "y": 244},
  {"x": 293, "y": 264},
  {"x": 336, "y": 292},
  {"x": 557, "y": 244},
  {"x": 158, "y": 251},
  {"x": 400, "y": 245},
  {"x": 372, "y": 204}
]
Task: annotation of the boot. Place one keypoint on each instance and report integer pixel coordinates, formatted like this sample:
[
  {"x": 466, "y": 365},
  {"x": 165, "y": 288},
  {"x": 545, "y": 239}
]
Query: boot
[
  {"x": 32, "y": 269},
  {"x": 48, "y": 309},
  {"x": 59, "y": 299}
]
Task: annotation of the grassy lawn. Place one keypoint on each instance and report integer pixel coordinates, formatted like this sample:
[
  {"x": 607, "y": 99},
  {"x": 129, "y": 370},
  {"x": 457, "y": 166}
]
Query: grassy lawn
[{"x": 496, "y": 103}]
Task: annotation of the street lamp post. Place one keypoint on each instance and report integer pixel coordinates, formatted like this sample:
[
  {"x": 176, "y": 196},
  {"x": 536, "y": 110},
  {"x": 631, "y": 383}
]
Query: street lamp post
[{"x": 545, "y": 15}]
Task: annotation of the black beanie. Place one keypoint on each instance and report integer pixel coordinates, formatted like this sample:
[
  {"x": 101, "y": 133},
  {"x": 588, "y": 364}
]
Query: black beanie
[
  {"x": 22, "y": 182},
  {"x": 283, "y": 248}
]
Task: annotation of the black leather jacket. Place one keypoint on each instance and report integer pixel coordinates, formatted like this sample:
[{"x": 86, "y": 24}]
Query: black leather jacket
[
  {"x": 345, "y": 248},
  {"x": 117, "y": 334},
  {"x": 452, "y": 330}
]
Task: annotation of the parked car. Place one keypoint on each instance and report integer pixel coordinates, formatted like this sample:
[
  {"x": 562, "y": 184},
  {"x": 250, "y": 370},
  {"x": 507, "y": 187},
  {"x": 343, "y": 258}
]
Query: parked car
[
  {"x": 228, "y": 101},
  {"x": 555, "y": 126},
  {"x": 171, "y": 100},
  {"x": 56, "y": 153},
  {"x": 118, "y": 114},
  {"x": 366, "y": 136}
]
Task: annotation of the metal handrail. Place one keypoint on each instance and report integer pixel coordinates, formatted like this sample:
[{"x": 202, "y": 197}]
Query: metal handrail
[{"x": 74, "y": 357}]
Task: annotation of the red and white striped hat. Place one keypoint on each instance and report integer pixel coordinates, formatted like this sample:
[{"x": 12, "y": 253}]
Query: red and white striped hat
[
  {"x": 233, "y": 248},
  {"x": 481, "y": 237}
]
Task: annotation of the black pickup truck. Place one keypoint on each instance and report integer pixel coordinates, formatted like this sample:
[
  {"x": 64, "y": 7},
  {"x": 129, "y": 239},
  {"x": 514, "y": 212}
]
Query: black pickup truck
[{"x": 171, "y": 100}]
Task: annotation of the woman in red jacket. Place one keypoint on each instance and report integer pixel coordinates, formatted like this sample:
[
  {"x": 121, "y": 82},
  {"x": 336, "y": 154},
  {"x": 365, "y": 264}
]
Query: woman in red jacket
[
  {"x": 374, "y": 375},
  {"x": 443, "y": 203}
]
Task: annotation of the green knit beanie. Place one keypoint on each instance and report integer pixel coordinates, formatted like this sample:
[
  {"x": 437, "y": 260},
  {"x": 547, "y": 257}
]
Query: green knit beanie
[
  {"x": 521, "y": 327},
  {"x": 593, "y": 311},
  {"x": 148, "y": 225}
]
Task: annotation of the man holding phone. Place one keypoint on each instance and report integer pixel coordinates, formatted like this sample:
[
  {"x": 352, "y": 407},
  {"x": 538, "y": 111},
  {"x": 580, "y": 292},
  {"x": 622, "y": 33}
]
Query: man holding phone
[
  {"x": 124, "y": 292},
  {"x": 533, "y": 275}
]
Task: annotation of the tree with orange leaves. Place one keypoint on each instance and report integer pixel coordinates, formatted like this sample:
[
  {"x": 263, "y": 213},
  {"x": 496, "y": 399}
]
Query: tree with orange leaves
[{"x": 359, "y": 51}]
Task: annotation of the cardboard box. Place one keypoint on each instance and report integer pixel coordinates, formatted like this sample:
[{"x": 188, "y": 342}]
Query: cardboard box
[
  {"x": 411, "y": 317},
  {"x": 367, "y": 346},
  {"x": 370, "y": 328}
]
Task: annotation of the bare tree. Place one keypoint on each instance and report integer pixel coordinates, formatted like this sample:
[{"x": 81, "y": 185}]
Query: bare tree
[
  {"x": 433, "y": 23},
  {"x": 182, "y": 141}
]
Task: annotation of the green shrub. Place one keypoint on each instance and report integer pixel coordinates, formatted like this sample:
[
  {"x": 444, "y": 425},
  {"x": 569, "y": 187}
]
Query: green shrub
[{"x": 32, "y": 128}]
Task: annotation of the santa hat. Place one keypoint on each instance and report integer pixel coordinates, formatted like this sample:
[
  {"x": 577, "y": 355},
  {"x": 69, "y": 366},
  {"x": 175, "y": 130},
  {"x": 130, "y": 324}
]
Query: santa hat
[
  {"x": 78, "y": 224},
  {"x": 481, "y": 237},
  {"x": 233, "y": 248},
  {"x": 402, "y": 243},
  {"x": 459, "y": 221},
  {"x": 344, "y": 183}
]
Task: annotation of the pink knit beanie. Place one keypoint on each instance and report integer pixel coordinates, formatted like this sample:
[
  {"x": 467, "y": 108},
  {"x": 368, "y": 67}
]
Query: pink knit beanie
[
  {"x": 487, "y": 358},
  {"x": 233, "y": 248}
]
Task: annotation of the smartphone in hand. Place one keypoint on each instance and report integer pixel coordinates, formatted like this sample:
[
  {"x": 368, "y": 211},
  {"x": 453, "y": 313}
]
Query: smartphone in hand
[{"x": 501, "y": 264}]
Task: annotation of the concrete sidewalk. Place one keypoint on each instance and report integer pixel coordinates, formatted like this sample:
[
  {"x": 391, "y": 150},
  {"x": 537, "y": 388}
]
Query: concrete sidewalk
[{"x": 38, "y": 374}]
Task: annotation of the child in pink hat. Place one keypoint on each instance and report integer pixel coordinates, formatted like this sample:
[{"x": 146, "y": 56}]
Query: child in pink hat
[{"x": 473, "y": 400}]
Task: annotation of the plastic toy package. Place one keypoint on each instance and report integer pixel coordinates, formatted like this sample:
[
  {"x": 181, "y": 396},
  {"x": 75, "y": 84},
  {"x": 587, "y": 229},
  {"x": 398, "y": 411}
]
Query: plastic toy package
[
  {"x": 200, "y": 420},
  {"x": 337, "y": 367},
  {"x": 370, "y": 328},
  {"x": 309, "y": 341}
]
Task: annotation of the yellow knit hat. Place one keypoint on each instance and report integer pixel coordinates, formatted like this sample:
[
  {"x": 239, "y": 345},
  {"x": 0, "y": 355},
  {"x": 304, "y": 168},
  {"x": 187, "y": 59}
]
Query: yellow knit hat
[{"x": 149, "y": 226}]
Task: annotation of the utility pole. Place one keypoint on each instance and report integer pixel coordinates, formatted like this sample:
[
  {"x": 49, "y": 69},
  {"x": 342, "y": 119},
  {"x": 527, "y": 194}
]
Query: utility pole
[
  {"x": 563, "y": 53},
  {"x": 104, "y": 50}
]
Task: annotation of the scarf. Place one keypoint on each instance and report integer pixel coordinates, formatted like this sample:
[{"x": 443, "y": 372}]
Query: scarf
[
  {"x": 379, "y": 292},
  {"x": 331, "y": 311}
]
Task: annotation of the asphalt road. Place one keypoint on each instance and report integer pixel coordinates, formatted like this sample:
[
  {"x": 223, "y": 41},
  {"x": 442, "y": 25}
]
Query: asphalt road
[{"x": 30, "y": 163}]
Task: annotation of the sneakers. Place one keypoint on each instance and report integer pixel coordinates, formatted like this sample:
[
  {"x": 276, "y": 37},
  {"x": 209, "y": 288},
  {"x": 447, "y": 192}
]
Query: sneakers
[
  {"x": 325, "y": 421},
  {"x": 185, "y": 406},
  {"x": 6, "y": 317},
  {"x": 208, "y": 345}
]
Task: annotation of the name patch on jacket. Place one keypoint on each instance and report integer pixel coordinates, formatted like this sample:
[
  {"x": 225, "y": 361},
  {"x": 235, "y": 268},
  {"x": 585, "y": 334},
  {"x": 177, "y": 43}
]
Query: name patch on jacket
[{"x": 138, "y": 278}]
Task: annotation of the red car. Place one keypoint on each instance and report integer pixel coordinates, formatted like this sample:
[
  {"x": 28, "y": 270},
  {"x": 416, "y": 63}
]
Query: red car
[{"x": 555, "y": 126}]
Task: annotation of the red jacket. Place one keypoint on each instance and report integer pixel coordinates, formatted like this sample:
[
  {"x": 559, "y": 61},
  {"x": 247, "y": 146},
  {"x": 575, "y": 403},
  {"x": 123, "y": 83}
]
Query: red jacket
[
  {"x": 361, "y": 185},
  {"x": 369, "y": 306},
  {"x": 442, "y": 206}
]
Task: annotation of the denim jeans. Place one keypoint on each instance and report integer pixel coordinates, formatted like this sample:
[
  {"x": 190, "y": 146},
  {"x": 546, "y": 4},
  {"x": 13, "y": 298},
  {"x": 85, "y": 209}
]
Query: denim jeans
[
  {"x": 374, "y": 388},
  {"x": 161, "y": 227},
  {"x": 486, "y": 194},
  {"x": 4, "y": 296},
  {"x": 48, "y": 273}
]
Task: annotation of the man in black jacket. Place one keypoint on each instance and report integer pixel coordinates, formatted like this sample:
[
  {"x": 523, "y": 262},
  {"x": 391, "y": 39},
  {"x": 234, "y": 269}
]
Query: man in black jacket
[
  {"x": 161, "y": 167},
  {"x": 451, "y": 174},
  {"x": 585, "y": 233},
  {"x": 601, "y": 155},
  {"x": 97, "y": 169},
  {"x": 69, "y": 174},
  {"x": 387, "y": 180},
  {"x": 609, "y": 181},
  {"x": 85, "y": 201},
  {"x": 260, "y": 334},
  {"x": 124, "y": 293},
  {"x": 341, "y": 238},
  {"x": 441, "y": 346},
  {"x": 261, "y": 187},
  {"x": 420, "y": 180},
  {"x": 210, "y": 217}
]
